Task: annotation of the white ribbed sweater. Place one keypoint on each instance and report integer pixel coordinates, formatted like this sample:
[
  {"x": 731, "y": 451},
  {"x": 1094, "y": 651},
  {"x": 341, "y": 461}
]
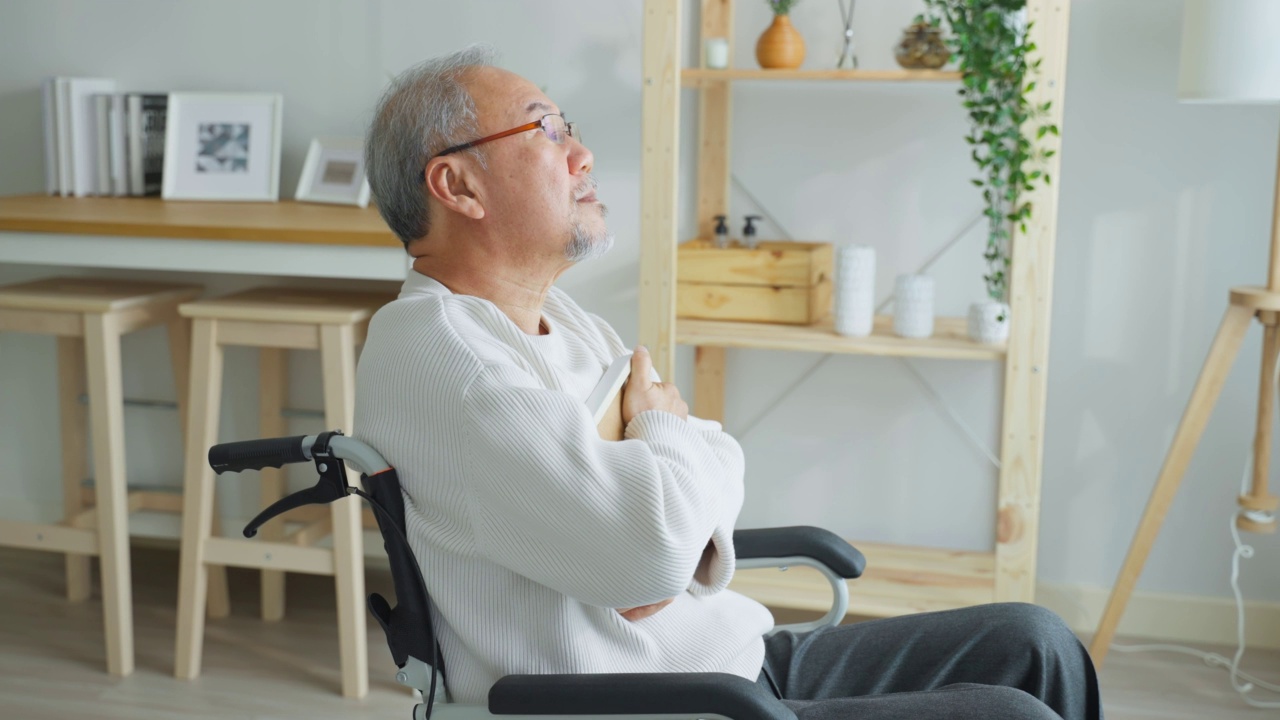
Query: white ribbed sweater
[{"x": 531, "y": 530}]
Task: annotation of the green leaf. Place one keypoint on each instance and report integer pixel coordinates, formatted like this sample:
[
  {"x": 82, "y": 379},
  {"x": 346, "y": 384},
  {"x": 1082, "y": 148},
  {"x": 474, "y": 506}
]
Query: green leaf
[{"x": 995, "y": 95}]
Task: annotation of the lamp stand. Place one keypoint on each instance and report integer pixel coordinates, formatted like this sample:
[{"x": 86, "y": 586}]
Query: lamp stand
[{"x": 1246, "y": 303}]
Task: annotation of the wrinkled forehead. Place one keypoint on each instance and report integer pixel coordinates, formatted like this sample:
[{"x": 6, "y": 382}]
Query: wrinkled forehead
[{"x": 504, "y": 99}]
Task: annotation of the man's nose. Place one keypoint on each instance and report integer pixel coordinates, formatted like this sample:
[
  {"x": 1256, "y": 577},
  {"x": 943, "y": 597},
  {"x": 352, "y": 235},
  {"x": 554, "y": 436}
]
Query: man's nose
[{"x": 580, "y": 158}]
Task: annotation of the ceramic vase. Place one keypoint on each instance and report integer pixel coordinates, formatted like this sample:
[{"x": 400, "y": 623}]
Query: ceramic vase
[
  {"x": 781, "y": 46},
  {"x": 717, "y": 51},
  {"x": 855, "y": 290},
  {"x": 913, "y": 306}
]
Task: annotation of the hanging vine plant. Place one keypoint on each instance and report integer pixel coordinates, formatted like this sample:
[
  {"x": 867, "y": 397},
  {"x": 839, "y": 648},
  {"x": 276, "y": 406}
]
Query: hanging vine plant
[{"x": 989, "y": 41}]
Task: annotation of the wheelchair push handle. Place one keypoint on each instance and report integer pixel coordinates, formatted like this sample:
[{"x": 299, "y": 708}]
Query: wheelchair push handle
[
  {"x": 258, "y": 454},
  {"x": 330, "y": 451}
]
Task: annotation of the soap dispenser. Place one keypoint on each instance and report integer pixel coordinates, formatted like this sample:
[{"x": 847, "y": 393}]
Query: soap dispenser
[
  {"x": 749, "y": 232},
  {"x": 722, "y": 231}
]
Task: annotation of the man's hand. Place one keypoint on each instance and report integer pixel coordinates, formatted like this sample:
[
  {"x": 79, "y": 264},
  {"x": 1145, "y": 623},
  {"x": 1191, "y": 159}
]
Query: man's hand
[
  {"x": 644, "y": 611},
  {"x": 642, "y": 394}
]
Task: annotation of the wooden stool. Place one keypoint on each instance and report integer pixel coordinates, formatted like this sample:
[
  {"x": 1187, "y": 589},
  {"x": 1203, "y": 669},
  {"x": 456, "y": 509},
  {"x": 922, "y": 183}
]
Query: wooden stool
[
  {"x": 274, "y": 320},
  {"x": 89, "y": 316}
]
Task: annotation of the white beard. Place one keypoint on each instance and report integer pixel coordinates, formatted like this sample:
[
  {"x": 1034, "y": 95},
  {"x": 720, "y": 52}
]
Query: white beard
[{"x": 583, "y": 245}]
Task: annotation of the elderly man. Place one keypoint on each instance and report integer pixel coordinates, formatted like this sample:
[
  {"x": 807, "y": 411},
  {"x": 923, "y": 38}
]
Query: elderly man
[{"x": 550, "y": 550}]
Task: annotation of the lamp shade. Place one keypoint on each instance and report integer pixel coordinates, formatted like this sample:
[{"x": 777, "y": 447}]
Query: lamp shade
[{"x": 1230, "y": 51}]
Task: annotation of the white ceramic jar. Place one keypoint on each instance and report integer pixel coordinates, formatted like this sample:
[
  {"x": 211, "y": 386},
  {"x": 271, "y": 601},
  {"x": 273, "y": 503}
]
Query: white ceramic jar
[
  {"x": 855, "y": 281},
  {"x": 913, "y": 306}
]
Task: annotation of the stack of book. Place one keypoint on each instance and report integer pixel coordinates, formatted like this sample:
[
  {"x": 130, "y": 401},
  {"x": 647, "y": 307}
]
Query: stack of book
[{"x": 98, "y": 141}]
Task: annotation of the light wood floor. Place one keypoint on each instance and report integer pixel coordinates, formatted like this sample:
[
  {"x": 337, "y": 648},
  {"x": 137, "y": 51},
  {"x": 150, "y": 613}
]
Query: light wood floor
[{"x": 51, "y": 664}]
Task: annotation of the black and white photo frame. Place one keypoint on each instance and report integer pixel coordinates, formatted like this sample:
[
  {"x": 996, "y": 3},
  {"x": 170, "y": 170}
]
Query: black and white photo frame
[{"x": 222, "y": 146}]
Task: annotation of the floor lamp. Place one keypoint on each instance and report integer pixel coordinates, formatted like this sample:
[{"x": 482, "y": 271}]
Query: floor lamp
[{"x": 1230, "y": 55}]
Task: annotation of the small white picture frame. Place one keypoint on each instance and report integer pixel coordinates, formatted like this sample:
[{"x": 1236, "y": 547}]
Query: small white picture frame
[
  {"x": 222, "y": 146},
  {"x": 334, "y": 173}
]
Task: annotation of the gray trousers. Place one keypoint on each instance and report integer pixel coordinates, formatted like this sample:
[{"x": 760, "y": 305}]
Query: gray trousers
[{"x": 989, "y": 662}]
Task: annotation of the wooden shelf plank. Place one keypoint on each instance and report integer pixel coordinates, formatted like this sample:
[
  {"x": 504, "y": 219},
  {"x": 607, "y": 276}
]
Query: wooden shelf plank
[
  {"x": 950, "y": 339},
  {"x": 899, "y": 581},
  {"x": 694, "y": 77},
  {"x": 285, "y": 221}
]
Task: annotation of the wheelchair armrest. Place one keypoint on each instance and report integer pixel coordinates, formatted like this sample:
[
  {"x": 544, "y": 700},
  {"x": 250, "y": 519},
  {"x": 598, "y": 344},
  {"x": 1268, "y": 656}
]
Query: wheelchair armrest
[
  {"x": 801, "y": 541},
  {"x": 696, "y": 695}
]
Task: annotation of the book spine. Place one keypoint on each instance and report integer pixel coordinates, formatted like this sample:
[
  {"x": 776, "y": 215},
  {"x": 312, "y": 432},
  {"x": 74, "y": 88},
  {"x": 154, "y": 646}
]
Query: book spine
[
  {"x": 48, "y": 90},
  {"x": 66, "y": 167},
  {"x": 133, "y": 110},
  {"x": 154, "y": 109},
  {"x": 102, "y": 143},
  {"x": 119, "y": 158},
  {"x": 84, "y": 132}
]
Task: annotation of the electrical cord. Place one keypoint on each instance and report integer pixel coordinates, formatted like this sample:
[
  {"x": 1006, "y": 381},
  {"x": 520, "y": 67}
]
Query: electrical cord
[
  {"x": 1245, "y": 552},
  {"x": 1214, "y": 659}
]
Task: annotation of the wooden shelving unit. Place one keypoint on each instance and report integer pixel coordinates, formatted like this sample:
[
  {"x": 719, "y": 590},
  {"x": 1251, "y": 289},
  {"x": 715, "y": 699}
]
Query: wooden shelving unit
[{"x": 899, "y": 580}]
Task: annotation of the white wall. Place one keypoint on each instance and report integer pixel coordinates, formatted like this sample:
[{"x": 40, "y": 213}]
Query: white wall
[{"x": 1163, "y": 208}]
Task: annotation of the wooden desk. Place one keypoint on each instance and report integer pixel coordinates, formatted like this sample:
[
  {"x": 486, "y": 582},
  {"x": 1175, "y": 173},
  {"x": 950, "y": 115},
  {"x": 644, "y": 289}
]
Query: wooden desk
[{"x": 281, "y": 239}]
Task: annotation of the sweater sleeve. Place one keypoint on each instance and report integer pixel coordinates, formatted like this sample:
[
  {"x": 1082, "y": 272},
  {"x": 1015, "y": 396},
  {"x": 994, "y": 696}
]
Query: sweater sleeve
[
  {"x": 716, "y": 568},
  {"x": 613, "y": 524}
]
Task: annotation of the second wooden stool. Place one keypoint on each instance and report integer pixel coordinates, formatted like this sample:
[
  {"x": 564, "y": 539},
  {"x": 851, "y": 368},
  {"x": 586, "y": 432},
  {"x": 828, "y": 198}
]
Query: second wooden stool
[{"x": 274, "y": 320}]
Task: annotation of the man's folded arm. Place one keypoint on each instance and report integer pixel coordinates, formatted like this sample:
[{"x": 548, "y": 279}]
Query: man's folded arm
[
  {"x": 715, "y": 569},
  {"x": 614, "y": 524}
]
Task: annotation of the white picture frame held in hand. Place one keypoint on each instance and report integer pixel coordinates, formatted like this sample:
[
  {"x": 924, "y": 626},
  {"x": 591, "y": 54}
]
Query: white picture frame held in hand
[
  {"x": 605, "y": 401},
  {"x": 334, "y": 173},
  {"x": 222, "y": 146}
]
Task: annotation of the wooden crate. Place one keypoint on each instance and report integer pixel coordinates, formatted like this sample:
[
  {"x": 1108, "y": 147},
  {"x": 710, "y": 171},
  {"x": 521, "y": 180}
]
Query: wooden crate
[{"x": 776, "y": 282}]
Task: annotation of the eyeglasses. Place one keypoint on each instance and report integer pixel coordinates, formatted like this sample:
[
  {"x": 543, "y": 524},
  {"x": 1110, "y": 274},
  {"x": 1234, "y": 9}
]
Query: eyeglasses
[{"x": 556, "y": 128}]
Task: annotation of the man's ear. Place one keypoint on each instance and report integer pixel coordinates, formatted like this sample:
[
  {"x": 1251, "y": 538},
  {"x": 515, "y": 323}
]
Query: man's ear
[{"x": 451, "y": 182}]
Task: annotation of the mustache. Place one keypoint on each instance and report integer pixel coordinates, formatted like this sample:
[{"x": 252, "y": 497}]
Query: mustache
[{"x": 588, "y": 186}]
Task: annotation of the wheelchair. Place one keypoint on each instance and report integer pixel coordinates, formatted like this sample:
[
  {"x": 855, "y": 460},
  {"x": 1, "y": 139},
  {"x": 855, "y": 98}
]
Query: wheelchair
[{"x": 412, "y": 641}]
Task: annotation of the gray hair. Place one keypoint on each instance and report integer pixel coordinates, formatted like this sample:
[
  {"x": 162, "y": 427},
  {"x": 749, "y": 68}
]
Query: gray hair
[{"x": 425, "y": 110}]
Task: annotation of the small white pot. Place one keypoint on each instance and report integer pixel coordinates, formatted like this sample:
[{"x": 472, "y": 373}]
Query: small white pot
[
  {"x": 913, "y": 306},
  {"x": 717, "y": 49},
  {"x": 989, "y": 322},
  {"x": 855, "y": 301}
]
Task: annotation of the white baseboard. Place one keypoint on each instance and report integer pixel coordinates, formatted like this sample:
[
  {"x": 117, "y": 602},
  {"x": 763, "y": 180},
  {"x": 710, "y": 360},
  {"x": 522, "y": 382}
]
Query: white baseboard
[{"x": 1166, "y": 617}]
